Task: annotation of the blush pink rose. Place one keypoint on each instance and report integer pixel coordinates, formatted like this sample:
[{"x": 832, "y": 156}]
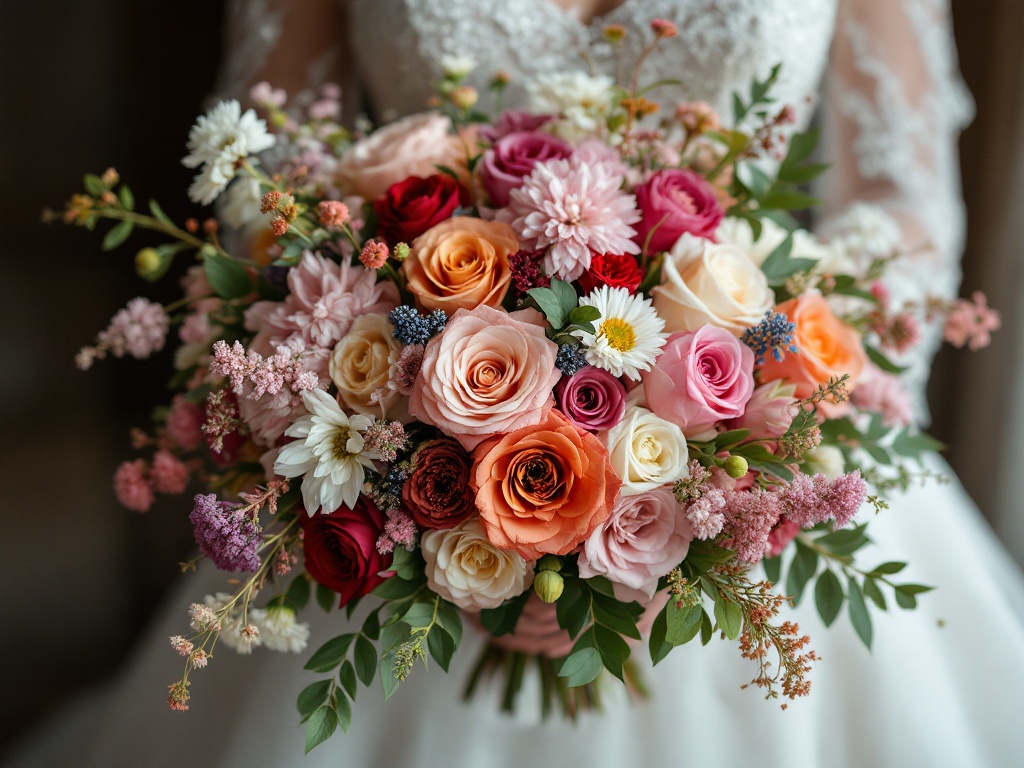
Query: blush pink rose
[
  {"x": 674, "y": 201},
  {"x": 592, "y": 399},
  {"x": 487, "y": 374},
  {"x": 504, "y": 166},
  {"x": 769, "y": 411},
  {"x": 646, "y": 536},
  {"x": 185, "y": 423},
  {"x": 700, "y": 379},
  {"x": 883, "y": 393}
]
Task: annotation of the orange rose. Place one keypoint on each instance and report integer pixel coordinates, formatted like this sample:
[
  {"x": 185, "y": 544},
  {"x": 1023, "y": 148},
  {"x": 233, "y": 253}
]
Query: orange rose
[
  {"x": 543, "y": 489},
  {"x": 826, "y": 347},
  {"x": 461, "y": 263}
]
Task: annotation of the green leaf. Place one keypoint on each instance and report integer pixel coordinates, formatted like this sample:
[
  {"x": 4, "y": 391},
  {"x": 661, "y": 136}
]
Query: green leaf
[
  {"x": 117, "y": 235},
  {"x": 729, "y": 617},
  {"x": 801, "y": 146},
  {"x": 396, "y": 589},
  {"x": 584, "y": 314},
  {"x": 330, "y": 654},
  {"x": 828, "y": 597},
  {"x": 801, "y": 174},
  {"x": 772, "y": 568},
  {"x": 754, "y": 179},
  {"x": 228, "y": 278},
  {"x": 573, "y": 607},
  {"x": 325, "y": 597},
  {"x": 441, "y": 647},
  {"x": 887, "y": 569},
  {"x": 906, "y": 594},
  {"x": 350, "y": 607},
  {"x": 788, "y": 199},
  {"x": 448, "y": 172},
  {"x": 387, "y": 675},
  {"x": 503, "y": 619},
  {"x": 371, "y": 626},
  {"x": 449, "y": 618},
  {"x": 657, "y": 644},
  {"x": 365, "y": 658},
  {"x": 614, "y": 616},
  {"x": 601, "y": 585},
  {"x": 704, "y": 555},
  {"x": 613, "y": 649},
  {"x": 801, "y": 570},
  {"x": 730, "y": 439},
  {"x": 683, "y": 624},
  {"x": 882, "y": 361},
  {"x": 548, "y": 303},
  {"x": 298, "y": 592},
  {"x": 419, "y": 615},
  {"x": 320, "y": 727},
  {"x": 406, "y": 565},
  {"x": 126, "y": 197},
  {"x": 582, "y": 667},
  {"x": 347, "y": 678},
  {"x": 567, "y": 298},
  {"x": 913, "y": 445},
  {"x": 94, "y": 185},
  {"x": 394, "y": 634},
  {"x": 343, "y": 710},
  {"x": 706, "y": 628},
  {"x": 872, "y": 591},
  {"x": 159, "y": 215},
  {"x": 780, "y": 263},
  {"x": 312, "y": 696},
  {"x": 859, "y": 616}
]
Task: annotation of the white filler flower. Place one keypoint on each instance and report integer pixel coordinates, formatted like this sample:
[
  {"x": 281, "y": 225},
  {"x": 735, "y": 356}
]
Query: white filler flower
[{"x": 629, "y": 334}]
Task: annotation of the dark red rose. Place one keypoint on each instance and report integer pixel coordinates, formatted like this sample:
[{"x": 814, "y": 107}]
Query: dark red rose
[
  {"x": 504, "y": 166},
  {"x": 674, "y": 201},
  {"x": 613, "y": 270},
  {"x": 437, "y": 494},
  {"x": 341, "y": 549},
  {"x": 411, "y": 207}
]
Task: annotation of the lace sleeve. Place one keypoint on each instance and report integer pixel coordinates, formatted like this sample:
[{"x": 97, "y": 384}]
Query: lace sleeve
[{"x": 894, "y": 108}]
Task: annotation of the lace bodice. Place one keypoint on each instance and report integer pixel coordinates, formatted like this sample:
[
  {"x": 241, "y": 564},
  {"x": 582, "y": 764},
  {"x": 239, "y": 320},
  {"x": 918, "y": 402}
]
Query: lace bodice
[{"x": 893, "y": 107}]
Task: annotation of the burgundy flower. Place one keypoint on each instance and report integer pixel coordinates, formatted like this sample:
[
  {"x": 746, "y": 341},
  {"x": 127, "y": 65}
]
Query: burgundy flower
[
  {"x": 437, "y": 494},
  {"x": 411, "y": 207},
  {"x": 674, "y": 201},
  {"x": 592, "y": 399},
  {"x": 511, "y": 159},
  {"x": 613, "y": 270}
]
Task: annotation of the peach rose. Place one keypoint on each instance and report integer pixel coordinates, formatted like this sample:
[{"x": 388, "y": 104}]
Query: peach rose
[
  {"x": 488, "y": 373},
  {"x": 543, "y": 489},
  {"x": 359, "y": 367},
  {"x": 412, "y": 146},
  {"x": 461, "y": 263},
  {"x": 705, "y": 283},
  {"x": 826, "y": 347}
]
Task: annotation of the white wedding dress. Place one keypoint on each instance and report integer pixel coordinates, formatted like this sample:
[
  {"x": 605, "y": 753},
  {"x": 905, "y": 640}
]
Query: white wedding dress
[{"x": 942, "y": 685}]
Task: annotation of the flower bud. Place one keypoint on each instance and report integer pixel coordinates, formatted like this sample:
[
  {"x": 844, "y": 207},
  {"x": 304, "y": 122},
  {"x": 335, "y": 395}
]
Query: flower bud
[
  {"x": 401, "y": 252},
  {"x": 550, "y": 563},
  {"x": 735, "y": 467},
  {"x": 464, "y": 97},
  {"x": 148, "y": 264},
  {"x": 548, "y": 585}
]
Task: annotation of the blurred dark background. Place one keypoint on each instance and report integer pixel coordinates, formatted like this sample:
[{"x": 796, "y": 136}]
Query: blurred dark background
[{"x": 118, "y": 83}]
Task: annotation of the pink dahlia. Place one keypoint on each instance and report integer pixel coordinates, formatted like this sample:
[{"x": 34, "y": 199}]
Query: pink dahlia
[{"x": 572, "y": 208}]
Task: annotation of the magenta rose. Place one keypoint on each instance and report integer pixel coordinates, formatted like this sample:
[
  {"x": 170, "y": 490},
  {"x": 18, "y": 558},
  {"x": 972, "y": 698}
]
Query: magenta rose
[
  {"x": 592, "y": 399},
  {"x": 512, "y": 121},
  {"x": 674, "y": 201},
  {"x": 700, "y": 379},
  {"x": 505, "y": 165}
]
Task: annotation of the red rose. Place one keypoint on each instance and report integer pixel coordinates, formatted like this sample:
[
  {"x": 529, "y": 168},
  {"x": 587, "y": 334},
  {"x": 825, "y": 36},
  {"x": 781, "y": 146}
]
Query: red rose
[
  {"x": 615, "y": 271},
  {"x": 437, "y": 494},
  {"x": 411, "y": 207},
  {"x": 341, "y": 549},
  {"x": 674, "y": 201}
]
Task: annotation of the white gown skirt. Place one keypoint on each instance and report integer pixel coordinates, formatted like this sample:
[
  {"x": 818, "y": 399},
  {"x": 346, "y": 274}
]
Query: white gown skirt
[{"x": 942, "y": 686}]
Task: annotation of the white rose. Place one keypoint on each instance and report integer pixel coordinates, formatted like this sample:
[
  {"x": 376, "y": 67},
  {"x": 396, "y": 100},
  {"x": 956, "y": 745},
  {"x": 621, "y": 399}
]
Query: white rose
[
  {"x": 464, "y": 567},
  {"x": 359, "y": 367},
  {"x": 645, "y": 451},
  {"x": 584, "y": 101},
  {"x": 710, "y": 283},
  {"x": 826, "y": 460}
]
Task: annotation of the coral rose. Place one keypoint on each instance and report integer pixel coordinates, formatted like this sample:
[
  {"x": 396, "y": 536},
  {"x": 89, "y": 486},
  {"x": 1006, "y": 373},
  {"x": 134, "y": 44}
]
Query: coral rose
[
  {"x": 359, "y": 368},
  {"x": 543, "y": 489},
  {"x": 708, "y": 284},
  {"x": 461, "y": 263},
  {"x": 486, "y": 374},
  {"x": 437, "y": 493},
  {"x": 826, "y": 347},
  {"x": 675, "y": 201}
]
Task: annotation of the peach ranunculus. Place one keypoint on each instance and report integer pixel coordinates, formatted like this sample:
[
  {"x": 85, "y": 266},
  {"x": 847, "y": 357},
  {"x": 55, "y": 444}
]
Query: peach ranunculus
[
  {"x": 826, "y": 347},
  {"x": 543, "y": 489},
  {"x": 486, "y": 374},
  {"x": 412, "y": 146},
  {"x": 359, "y": 367},
  {"x": 461, "y": 263},
  {"x": 705, "y": 283}
]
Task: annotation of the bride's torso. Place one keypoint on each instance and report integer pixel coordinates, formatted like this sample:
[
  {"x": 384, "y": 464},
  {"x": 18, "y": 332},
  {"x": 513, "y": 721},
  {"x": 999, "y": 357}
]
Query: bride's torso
[{"x": 398, "y": 45}]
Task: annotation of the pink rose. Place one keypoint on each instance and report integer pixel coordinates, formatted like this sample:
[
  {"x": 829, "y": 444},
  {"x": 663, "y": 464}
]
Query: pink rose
[
  {"x": 412, "y": 146},
  {"x": 511, "y": 159},
  {"x": 512, "y": 121},
  {"x": 700, "y": 379},
  {"x": 881, "y": 392},
  {"x": 674, "y": 201},
  {"x": 646, "y": 536},
  {"x": 769, "y": 411},
  {"x": 184, "y": 423},
  {"x": 486, "y": 374},
  {"x": 592, "y": 399}
]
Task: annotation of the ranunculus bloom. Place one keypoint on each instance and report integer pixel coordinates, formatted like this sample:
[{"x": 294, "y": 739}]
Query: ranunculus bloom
[
  {"x": 341, "y": 549},
  {"x": 646, "y": 536},
  {"x": 769, "y": 412},
  {"x": 504, "y": 166},
  {"x": 359, "y": 368},
  {"x": 412, "y": 146},
  {"x": 826, "y": 347},
  {"x": 461, "y": 263},
  {"x": 613, "y": 270},
  {"x": 675, "y": 201},
  {"x": 704, "y": 283},
  {"x": 465, "y": 567},
  {"x": 592, "y": 399},
  {"x": 700, "y": 379},
  {"x": 646, "y": 451},
  {"x": 412, "y": 206},
  {"x": 543, "y": 489},
  {"x": 488, "y": 373},
  {"x": 437, "y": 494}
]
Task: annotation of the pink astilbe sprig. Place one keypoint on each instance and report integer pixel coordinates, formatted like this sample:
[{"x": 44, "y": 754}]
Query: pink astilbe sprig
[
  {"x": 702, "y": 501},
  {"x": 749, "y": 519},
  {"x": 386, "y": 438},
  {"x": 138, "y": 330},
  {"x": 271, "y": 375},
  {"x": 399, "y": 531},
  {"x": 970, "y": 323},
  {"x": 222, "y": 419},
  {"x": 809, "y": 500}
]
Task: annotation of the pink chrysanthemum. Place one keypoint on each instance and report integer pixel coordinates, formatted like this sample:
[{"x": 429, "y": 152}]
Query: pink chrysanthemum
[
  {"x": 132, "y": 486},
  {"x": 572, "y": 208}
]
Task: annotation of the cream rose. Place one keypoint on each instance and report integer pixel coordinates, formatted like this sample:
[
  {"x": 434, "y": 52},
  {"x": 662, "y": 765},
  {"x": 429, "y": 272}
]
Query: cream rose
[
  {"x": 645, "y": 451},
  {"x": 709, "y": 283},
  {"x": 412, "y": 146},
  {"x": 464, "y": 567},
  {"x": 359, "y": 367}
]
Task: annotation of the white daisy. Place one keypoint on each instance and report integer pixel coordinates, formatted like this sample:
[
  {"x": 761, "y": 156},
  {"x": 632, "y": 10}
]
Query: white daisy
[
  {"x": 329, "y": 454},
  {"x": 629, "y": 334}
]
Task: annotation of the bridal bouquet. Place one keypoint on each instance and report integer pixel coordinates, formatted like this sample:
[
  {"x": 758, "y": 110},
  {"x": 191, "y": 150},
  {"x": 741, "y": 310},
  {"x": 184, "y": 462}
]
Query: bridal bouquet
[{"x": 566, "y": 374}]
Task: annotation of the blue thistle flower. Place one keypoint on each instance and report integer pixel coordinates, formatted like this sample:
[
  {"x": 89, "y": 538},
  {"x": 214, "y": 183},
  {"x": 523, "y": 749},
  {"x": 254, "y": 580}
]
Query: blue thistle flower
[
  {"x": 570, "y": 359},
  {"x": 773, "y": 335},
  {"x": 413, "y": 328}
]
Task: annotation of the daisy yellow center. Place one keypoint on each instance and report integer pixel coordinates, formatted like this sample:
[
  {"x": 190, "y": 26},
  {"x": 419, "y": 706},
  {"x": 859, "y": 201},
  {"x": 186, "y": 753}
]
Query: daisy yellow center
[
  {"x": 340, "y": 446},
  {"x": 619, "y": 334}
]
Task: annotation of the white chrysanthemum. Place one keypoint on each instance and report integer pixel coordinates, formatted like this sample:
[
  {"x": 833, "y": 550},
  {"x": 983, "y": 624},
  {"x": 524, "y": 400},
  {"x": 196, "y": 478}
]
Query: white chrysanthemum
[
  {"x": 217, "y": 141},
  {"x": 231, "y": 626},
  {"x": 629, "y": 334},
  {"x": 240, "y": 205},
  {"x": 280, "y": 631},
  {"x": 584, "y": 101},
  {"x": 328, "y": 454},
  {"x": 457, "y": 67}
]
